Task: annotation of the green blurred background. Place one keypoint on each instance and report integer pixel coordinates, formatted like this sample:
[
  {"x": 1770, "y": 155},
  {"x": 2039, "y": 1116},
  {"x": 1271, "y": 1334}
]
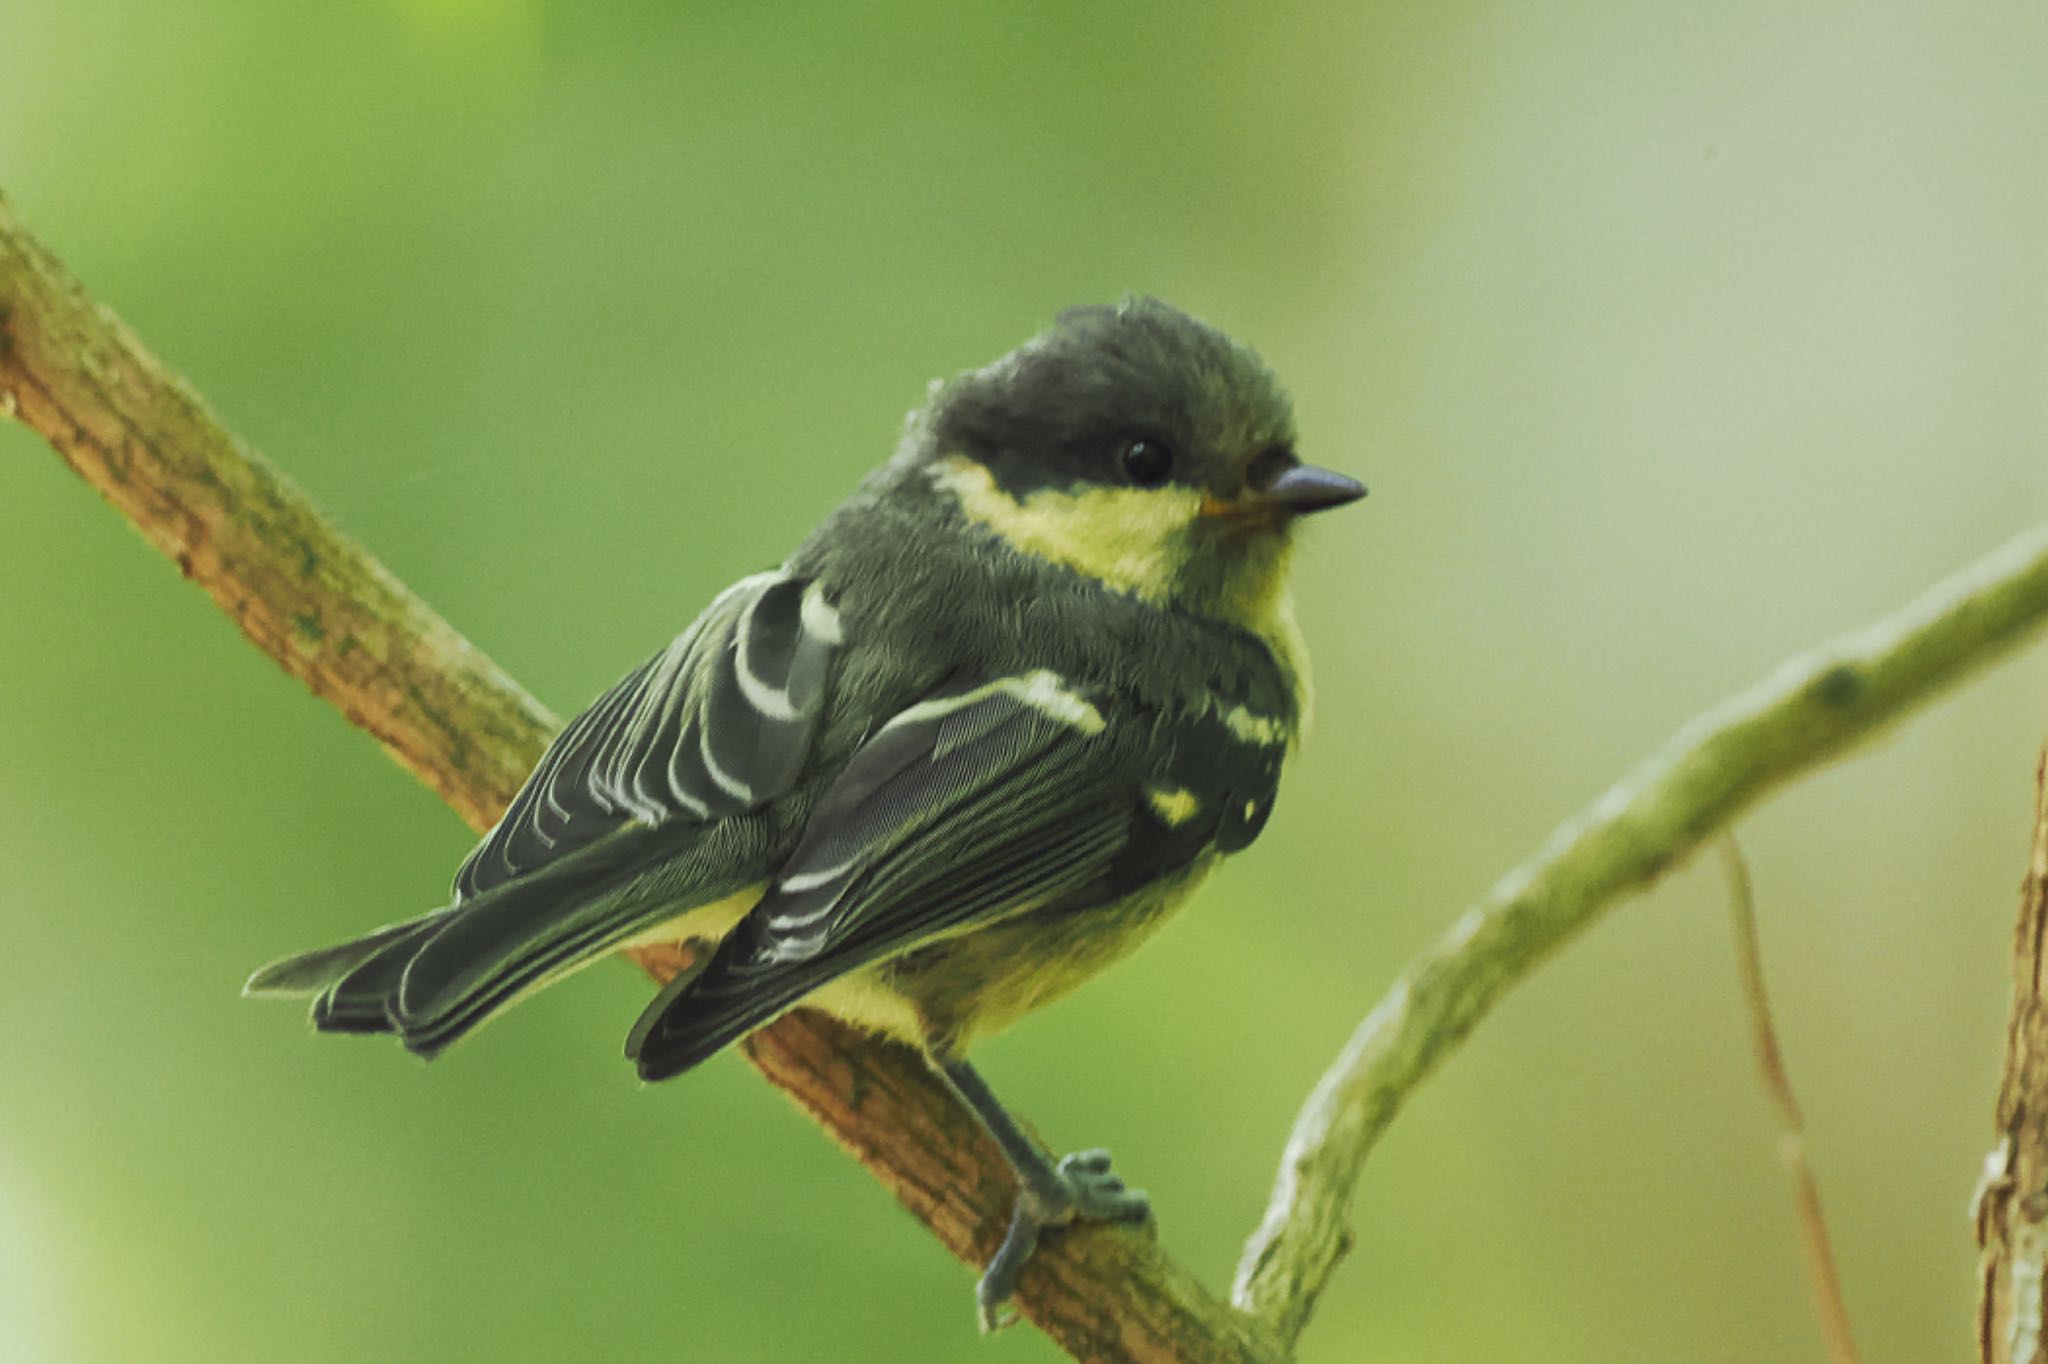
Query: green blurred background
[{"x": 1671, "y": 339}]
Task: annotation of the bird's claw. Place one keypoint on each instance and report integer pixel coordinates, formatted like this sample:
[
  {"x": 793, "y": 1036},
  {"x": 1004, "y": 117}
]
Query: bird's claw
[
  {"x": 1098, "y": 1195},
  {"x": 1089, "y": 1191}
]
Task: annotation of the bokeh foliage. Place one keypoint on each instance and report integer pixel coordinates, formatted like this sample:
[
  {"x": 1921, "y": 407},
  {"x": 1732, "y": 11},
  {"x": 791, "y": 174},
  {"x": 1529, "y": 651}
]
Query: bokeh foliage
[{"x": 1671, "y": 339}]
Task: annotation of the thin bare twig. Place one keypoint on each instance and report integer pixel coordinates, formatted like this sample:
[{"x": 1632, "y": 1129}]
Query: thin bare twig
[{"x": 1770, "y": 1064}]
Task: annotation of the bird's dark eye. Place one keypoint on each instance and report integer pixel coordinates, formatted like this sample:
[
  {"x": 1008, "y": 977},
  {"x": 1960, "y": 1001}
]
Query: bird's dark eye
[{"x": 1147, "y": 463}]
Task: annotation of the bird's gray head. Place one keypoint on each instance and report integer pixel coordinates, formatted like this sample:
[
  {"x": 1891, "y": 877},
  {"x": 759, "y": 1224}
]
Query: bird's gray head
[{"x": 1135, "y": 444}]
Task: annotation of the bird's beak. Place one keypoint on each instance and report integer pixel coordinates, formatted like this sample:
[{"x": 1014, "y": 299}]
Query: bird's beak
[
  {"x": 1291, "y": 490},
  {"x": 1305, "y": 488}
]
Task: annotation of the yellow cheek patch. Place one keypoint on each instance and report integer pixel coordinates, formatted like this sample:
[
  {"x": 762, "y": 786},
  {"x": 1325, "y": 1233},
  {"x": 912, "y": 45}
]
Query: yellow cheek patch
[{"x": 1130, "y": 538}]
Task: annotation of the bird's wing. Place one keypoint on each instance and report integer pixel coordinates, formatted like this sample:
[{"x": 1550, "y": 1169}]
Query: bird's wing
[
  {"x": 645, "y": 805},
  {"x": 716, "y": 724},
  {"x": 961, "y": 809}
]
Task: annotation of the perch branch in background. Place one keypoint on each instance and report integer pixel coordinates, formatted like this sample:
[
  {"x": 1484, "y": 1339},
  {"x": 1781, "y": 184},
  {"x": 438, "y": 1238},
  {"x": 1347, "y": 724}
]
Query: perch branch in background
[
  {"x": 1811, "y": 710},
  {"x": 2012, "y": 1202},
  {"x": 1770, "y": 1063}
]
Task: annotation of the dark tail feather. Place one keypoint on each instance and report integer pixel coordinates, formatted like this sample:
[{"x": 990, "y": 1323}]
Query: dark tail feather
[
  {"x": 315, "y": 972},
  {"x": 510, "y": 941},
  {"x": 437, "y": 977},
  {"x": 350, "y": 981},
  {"x": 518, "y": 936},
  {"x": 361, "y": 1000}
]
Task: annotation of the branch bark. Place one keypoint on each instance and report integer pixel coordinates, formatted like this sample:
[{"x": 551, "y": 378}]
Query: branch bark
[
  {"x": 335, "y": 618},
  {"x": 2012, "y": 1201}
]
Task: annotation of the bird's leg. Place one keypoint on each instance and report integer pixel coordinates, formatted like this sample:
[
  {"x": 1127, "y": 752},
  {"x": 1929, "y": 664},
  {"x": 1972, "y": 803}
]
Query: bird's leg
[{"x": 1080, "y": 1186}]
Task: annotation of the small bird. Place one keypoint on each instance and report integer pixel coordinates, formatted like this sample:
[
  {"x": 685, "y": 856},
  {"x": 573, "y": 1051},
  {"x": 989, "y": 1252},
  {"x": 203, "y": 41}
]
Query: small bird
[{"x": 994, "y": 720}]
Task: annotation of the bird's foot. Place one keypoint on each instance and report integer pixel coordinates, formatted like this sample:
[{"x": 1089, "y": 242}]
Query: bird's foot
[
  {"x": 1098, "y": 1195},
  {"x": 1084, "y": 1189}
]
